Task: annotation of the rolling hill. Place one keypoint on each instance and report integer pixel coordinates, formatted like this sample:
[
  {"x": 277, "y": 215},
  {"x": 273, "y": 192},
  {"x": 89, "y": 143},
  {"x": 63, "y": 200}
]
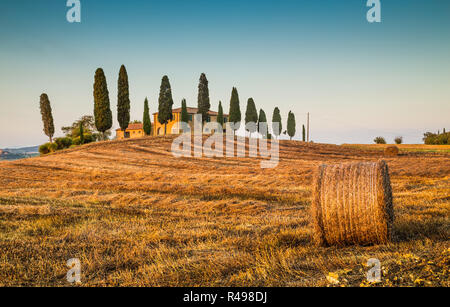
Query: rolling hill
[{"x": 135, "y": 215}]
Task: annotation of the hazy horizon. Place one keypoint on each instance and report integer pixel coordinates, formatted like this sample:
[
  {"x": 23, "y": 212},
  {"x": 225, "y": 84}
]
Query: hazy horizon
[{"x": 358, "y": 80}]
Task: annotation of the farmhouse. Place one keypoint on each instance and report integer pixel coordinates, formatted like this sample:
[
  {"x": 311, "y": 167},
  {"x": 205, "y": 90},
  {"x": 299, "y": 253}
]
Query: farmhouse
[
  {"x": 137, "y": 130},
  {"x": 133, "y": 131},
  {"x": 174, "y": 125}
]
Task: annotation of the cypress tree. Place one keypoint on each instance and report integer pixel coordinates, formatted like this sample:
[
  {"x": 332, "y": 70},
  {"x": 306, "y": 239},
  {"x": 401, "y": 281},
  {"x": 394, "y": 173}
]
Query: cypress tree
[
  {"x": 184, "y": 112},
  {"x": 263, "y": 119},
  {"x": 251, "y": 114},
  {"x": 291, "y": 125},
  {"x": 220, "y": 114},
  {"x": 47, "y": 117},
  {"x": 123, "y": 99},
  {"x": 81, "y": 133},
  {"x": 165, "y": 103},
  {"x": 276, "y": 118},
  {"x": 102, "y": 111},
  {"x": 235, "y": 110},
  {"x": 304, "y": 133},
  {"x": 203, "y": 97},
  {"x": 146, "y": 120}
]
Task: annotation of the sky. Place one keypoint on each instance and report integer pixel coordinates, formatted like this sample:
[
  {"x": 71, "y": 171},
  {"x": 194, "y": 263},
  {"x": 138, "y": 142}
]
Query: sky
[{"x": 357, "y": 79}]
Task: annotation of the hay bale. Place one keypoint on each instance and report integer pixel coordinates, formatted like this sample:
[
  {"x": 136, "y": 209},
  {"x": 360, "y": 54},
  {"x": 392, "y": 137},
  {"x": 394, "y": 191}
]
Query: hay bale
[
  {"x": 391, "y": 151},
  {"x": 352, "y": 204}
]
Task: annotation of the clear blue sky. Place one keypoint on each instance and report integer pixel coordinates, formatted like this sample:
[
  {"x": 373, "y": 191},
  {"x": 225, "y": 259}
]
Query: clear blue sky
[{"x": 358, "y": 80}]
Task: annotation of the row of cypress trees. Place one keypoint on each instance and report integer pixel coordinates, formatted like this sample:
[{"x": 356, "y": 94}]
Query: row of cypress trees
[
  {"x": 251, "y": 115},
  {"x": 103, "y": 114},
  {"x": 102, "y": 110},
  {"x": 103, "y": 117}
]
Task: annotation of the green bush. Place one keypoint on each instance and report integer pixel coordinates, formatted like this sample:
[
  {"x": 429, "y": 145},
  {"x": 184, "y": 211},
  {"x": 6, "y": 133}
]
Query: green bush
[
  {"x": 429, "y": 138},
  {"x": 43, "y": 149},
  {"x": 443, "y": 139},
  {"x": 47, "y": 148},
  {"x": 52, "y": 147},
  {"x": 63, "y": 143},
  {"x": 88, "y": 138},
  {"x": 398, "y": 140},
  {"x": 76, "y": 141},
  {"x": 379, "y": 140},
  {"x": 437, "y": 139}
]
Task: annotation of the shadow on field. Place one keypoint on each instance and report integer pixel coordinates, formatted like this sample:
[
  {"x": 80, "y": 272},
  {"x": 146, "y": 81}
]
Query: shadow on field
[{"x": 410, "y": 230}]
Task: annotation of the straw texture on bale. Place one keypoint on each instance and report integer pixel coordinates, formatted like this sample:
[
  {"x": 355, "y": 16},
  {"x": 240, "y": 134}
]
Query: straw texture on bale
[
  {"x": 391, "y": 151},
  {"x": 352, "y": 204}
]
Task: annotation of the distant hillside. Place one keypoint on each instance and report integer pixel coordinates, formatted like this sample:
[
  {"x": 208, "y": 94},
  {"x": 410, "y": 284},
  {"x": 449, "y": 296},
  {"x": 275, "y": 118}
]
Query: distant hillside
[
  {"x": 23, "y": 150},
  {"x": 18, "y": 153}
]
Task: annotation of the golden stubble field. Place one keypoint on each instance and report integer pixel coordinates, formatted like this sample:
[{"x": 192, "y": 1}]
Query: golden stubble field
[{"x": 136, "y": 216}]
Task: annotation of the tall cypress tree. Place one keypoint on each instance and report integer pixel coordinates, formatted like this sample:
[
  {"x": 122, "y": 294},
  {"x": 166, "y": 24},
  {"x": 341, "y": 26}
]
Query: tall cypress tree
[
  {"x": 251, "y": 114},
  {"x": 184, "y": 112},
  {"x": 220, "y": 114},
  {"x": 303, "y": 133},
  {"x": 291, "y": 125},
  {"x": 165, "y": 103},
  {"x": 235, "y": 110},
  {"x": 47, "y": 117},
  {"x": 146, "y": 120},
  {"x": 263, "y": 119},
  {"x": 276, "y": 118},
  {"x": 203, "y": 97},
  {"x": 123, "y": 99},
  {"x": 102, "y": 111}
]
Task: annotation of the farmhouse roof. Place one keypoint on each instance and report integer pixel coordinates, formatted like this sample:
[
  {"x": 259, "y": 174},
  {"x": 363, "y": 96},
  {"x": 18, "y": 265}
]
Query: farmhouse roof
[
  {"x": 193, "y": 111},
  {"x": 133, "y": 127}
]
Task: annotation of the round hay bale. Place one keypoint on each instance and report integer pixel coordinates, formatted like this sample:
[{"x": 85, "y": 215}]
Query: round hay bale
[
  {"x": 352, "y": 204},
  {"x": 391, "y": 151}
]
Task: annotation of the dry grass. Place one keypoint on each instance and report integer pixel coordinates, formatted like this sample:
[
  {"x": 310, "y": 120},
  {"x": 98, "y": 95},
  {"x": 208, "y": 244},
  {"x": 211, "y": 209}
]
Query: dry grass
[
  {"x": 352, "y": 204},
  {"x": 136, "y": 216}
]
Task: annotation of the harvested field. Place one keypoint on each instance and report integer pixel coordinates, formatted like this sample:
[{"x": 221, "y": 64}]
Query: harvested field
[
  {"x": 406, "y": 148},
  {"x": 136, "y": 216}
]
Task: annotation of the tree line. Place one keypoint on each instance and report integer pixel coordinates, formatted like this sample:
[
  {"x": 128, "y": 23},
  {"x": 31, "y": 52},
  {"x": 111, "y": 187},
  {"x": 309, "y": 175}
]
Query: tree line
[
  {"x": 165, "y": 104},
  {"x": 439, "y": 138},
  {"x": 97, "y": 128},
  {"x": 429, "y": 138}
]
